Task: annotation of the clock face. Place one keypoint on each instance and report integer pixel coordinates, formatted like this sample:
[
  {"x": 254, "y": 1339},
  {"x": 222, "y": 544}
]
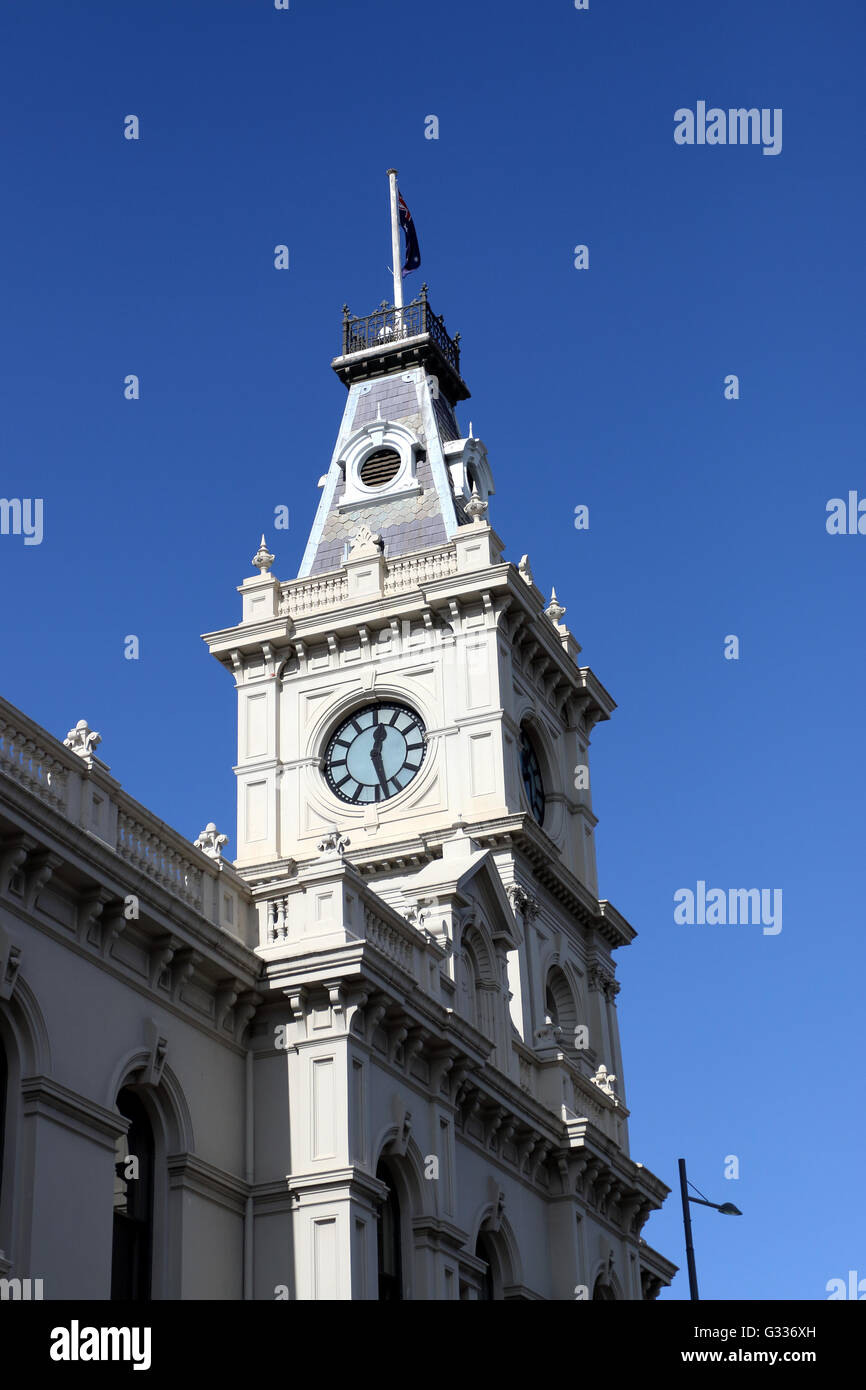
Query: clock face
[
  {"x": 531, "y": 774},
  {"x": 375, "y": 753}
]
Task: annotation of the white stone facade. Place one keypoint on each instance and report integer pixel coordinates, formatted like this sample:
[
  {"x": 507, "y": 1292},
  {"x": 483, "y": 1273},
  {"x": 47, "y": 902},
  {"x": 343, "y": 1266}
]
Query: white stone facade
[{"x": 378, "y": 1056}]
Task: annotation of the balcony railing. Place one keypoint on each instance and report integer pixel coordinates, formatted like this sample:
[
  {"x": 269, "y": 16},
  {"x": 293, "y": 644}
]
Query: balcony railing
[{"x": 390, "y": 325}]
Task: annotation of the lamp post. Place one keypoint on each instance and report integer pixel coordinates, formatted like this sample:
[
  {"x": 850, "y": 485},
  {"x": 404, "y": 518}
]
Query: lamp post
[{"x": 726, "y": 1209}]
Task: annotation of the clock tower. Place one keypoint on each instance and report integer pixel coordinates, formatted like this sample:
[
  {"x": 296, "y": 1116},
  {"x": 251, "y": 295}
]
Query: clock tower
[{"x": 439, "y": 1056}]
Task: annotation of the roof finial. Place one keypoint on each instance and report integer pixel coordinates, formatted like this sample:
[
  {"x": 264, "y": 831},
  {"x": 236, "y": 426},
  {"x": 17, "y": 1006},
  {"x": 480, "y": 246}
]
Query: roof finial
[
  {"x": 475, "y": 508},
  {"x": 471, "y": 435},
  {"x": 554, "y": 609},
  {"x": 263, "y": 559}
]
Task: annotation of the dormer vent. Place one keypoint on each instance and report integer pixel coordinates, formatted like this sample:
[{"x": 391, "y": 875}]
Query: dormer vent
[{"x": 379, "y": 468}]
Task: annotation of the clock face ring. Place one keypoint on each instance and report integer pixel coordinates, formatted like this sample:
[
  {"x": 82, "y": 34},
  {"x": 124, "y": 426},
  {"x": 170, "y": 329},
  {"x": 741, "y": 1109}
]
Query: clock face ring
[{"x": 375, "y": 753}]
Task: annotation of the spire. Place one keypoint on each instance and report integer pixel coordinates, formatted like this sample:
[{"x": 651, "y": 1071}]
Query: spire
[{"x": 401, "y": 466}]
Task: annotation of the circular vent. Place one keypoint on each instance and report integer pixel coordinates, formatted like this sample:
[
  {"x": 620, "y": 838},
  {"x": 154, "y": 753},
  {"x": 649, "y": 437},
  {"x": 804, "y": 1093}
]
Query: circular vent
[{"x": 379, "y": 468}]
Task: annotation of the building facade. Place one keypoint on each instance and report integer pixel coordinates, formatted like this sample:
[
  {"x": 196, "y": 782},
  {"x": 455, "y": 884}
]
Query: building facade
[{"x": 376, "y": 1057}]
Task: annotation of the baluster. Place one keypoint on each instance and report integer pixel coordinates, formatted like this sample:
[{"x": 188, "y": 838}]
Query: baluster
[{"x": 197, "y": 882}]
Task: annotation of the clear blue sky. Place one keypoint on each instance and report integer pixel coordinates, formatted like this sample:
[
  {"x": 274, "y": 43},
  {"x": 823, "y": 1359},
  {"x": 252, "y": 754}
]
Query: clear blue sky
[{"x": 602, "y": 387}]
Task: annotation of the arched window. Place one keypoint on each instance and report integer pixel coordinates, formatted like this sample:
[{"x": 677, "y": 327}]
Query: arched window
[
  {"x": 551, "y": 1012},
  {"x": 484, "y": 1251},
  {"x": 388, "y": 1239},
  {"x": 559, "y": 1006},
  {"x": 132, "y": 1245},
  {"x": 473, "y": 980}
]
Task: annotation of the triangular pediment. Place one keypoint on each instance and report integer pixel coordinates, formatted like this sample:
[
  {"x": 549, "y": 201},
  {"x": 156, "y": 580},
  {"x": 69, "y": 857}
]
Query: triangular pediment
[{"x": 468, "y": 875}]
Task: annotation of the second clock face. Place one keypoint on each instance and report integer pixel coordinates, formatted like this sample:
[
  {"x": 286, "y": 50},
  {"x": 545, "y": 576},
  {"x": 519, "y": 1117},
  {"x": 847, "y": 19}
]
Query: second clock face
[
  {"x": 531, "y": 774},
  {"x": 375, "y": 753}
]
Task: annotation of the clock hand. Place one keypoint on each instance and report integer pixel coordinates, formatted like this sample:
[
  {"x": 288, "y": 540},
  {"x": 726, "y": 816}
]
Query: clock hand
[{"x": 376, "y": 760}]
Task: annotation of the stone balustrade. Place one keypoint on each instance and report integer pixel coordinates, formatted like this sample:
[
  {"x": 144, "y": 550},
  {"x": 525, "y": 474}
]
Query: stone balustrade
[
  {"x": 299, "y": 598},
  {"x": 391, "y": 941},
  {"x": 413, "y": 571},
  {"x": 161, "y": 861},
  {"x": 26, "y": 762},
  {"x": 88, "y": 797}
]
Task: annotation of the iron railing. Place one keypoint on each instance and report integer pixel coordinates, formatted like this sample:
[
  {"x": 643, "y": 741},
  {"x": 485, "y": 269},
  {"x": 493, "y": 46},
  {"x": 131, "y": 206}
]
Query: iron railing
[{"x": 389, "y": 325}]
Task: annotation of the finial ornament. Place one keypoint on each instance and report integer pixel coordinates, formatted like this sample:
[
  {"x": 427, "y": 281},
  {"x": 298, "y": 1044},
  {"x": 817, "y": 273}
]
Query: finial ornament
[
  {"x": 604, "y": 1081},
  {"x": 211, "y": 841},
  {"x": 82, "y": 740},
  {"x": 334, "y": 843},
  {"x": 523, "y": 902},
  {"x": 554, "y": 609},
  {"x": 365, "y": 542},
  {"x": 263, "y": 559},
  {"x": 475, "y": 508}
]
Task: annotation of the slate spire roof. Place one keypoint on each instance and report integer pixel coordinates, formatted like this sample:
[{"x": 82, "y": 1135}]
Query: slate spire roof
[{"x": 402, "y": 374}]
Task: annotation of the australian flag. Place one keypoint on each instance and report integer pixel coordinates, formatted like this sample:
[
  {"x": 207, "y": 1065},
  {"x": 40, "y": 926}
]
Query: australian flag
[{"x": 413, "y": 255}]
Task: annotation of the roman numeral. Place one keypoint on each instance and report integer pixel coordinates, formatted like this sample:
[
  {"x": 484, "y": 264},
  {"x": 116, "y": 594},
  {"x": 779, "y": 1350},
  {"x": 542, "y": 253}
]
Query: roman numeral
[{"x": 410, "y": 767}]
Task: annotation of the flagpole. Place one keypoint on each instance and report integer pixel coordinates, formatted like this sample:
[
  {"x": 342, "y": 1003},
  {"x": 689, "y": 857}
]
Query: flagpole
[{"x": 395, "y": 244}]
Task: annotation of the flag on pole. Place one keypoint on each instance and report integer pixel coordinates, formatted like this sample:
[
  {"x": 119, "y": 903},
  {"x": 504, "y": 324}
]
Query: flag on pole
[{"x": 413, "y": 255}]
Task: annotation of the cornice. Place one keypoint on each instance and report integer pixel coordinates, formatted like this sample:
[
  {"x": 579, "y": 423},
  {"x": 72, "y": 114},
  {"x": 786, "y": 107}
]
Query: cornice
[
  {"x": 194, "y": 1174},
  {"x": 42, "y": 1096},
  {"x": 249, "y": 974},
  {"x": 80, "y": 850},
  {"x": 520, "y": 833}
]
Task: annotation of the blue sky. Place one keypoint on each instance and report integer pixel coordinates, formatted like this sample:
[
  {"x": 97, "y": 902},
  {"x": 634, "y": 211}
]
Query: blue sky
[{"x": 601, "y": 387}]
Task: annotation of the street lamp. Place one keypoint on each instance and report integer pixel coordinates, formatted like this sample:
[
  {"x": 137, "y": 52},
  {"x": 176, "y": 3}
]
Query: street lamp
[{"x": 726, "y": 1208}]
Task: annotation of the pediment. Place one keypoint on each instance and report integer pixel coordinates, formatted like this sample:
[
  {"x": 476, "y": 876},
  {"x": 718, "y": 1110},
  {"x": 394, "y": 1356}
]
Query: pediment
[{"x": 469, "y": 875}]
